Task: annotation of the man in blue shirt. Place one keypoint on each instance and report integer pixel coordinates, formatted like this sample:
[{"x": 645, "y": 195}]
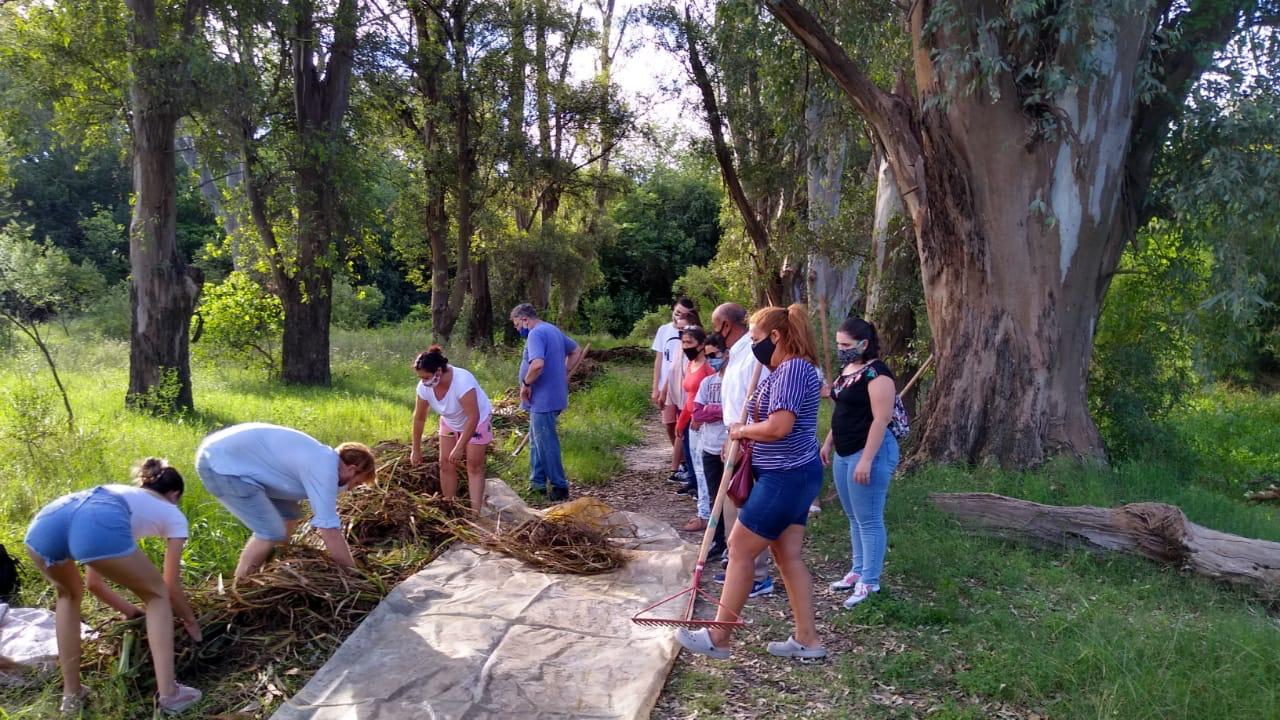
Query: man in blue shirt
[{"x": 544, "y": 392}]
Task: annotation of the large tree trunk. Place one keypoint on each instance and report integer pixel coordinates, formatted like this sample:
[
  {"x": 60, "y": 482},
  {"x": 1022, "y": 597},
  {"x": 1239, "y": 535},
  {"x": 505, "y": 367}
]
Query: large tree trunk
[
  {"x": 832, "y": 283},
  {"x": 320, "y": 103},
  {"x": 1152, "y": 530},
  {"x": 893, "y": 282},
  {"x": 162, "y": 288},
  {"x": 1017, "y": 238},
  {"x": 480, "y": 332}
]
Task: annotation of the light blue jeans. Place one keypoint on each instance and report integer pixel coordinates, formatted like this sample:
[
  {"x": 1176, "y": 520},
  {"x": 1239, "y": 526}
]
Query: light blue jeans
[
  {"x": 864, "y": 505},
  {"x": 545, "y": 464}
]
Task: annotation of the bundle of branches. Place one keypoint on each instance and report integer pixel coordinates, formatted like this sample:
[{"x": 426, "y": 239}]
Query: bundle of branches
[
  {"x": 383, "y": 513},
  {"x": 395, "y": 470},
  {"x": 553, "y": 544},
  {"x": 583, "y": 374},
  {"x": 507, "y": 413},
  {"x": 295, "y": 611},
  {"x": 622, "y": 353}
]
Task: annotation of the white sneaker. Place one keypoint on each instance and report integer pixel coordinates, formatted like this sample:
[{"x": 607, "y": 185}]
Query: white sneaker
[
  {"x": 861, "y": 592},
  {"x": 845, "y": 583}
]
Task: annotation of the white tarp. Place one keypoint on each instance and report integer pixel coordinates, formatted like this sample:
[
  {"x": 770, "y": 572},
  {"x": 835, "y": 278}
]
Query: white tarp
[
  {"x": 28, "y": 638},
  {"x": 479, "y": 635}
]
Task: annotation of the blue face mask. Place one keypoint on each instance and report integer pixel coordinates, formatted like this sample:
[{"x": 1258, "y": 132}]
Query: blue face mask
[
  {"x": 524, "y": 332},
  {"x": 716, "y": 363}
]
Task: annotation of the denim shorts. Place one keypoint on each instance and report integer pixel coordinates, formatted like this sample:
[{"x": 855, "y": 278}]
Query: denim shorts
[
  {"x": 89, "y": 525},
  {"x": 264, "y": 516},
  {"x": 781, "y": 498}
]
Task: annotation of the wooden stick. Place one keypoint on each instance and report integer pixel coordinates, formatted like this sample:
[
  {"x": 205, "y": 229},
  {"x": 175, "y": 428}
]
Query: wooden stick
[
  {"x": 917, "y": 376},
  {"x": 826, "y": 339}
]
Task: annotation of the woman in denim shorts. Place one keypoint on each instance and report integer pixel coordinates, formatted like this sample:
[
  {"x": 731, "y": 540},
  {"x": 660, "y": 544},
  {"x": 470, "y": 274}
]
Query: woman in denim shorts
[
  {"x": 99, "y": 528},
  {"x": 782, "y": 430}
]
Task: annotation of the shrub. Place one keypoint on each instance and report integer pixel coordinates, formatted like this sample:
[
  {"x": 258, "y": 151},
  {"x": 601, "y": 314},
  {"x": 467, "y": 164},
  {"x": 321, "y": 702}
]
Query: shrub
[
  {"x": 239, "y": 320},
  {"x": 355, "y": 307}
]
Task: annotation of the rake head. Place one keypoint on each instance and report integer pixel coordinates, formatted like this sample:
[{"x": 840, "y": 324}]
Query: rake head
[{"x": 688, "y": 620}]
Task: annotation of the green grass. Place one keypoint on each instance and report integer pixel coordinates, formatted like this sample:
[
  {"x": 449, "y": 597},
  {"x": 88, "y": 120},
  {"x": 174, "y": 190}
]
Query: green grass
[{"x": 975, "y": 622}]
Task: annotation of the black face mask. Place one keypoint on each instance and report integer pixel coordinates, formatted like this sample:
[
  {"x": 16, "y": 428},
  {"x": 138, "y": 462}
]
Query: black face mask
[
  {"x": 691, "y": 353},
  {"x": 763, "y": 350}
]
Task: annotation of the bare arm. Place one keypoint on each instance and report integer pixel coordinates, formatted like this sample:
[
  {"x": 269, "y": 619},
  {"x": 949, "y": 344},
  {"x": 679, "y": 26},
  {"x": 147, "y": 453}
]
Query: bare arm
[
  {"x": 173, "y": 581},
  {"x": 535, "y": 369},
  {"x": 881, "y": 392},
  {"x": 420, "y": 410},
  {"x": 657, "y": 375},
  {"x": 97, "y": 585},
  {"x": 775, "y": 427},
  {"x": 472, "y": 407},
  {"x": 336, "y": 544}
]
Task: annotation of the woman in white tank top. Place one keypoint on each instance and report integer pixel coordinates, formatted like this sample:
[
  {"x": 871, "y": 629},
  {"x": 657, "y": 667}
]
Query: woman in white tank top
[{"x": 465, "y": 431}]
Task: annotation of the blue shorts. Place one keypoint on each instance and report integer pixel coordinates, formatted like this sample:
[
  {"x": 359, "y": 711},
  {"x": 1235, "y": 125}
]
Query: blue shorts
[
  {"x": 781, "y": 498},
  {"x": 264, "y": 516},
  {"x": 89, "y": 525}
]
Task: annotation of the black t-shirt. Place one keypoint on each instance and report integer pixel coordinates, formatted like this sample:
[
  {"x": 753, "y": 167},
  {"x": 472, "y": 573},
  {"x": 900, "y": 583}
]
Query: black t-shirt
[{"x": 852, "y": 417}]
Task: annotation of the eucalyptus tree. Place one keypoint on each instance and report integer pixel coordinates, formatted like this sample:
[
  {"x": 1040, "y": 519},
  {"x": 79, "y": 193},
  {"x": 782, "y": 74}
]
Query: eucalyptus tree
[
  {"x": 1023, "y": 156},
  {"x": 132, "y": 62}
]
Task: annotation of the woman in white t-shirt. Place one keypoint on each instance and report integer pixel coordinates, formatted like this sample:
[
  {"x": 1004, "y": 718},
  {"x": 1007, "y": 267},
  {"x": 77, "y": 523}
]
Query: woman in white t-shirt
[
  {"x": 464, "y": 411},
  {"x": 100, "y": 528}
]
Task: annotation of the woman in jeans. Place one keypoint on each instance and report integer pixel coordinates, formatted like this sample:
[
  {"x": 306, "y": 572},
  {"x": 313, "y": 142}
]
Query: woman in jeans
[
  {"x": 783, "y": 414},
  {"x": 862, "y": 453},
  {"x": 692, "y": 339}
]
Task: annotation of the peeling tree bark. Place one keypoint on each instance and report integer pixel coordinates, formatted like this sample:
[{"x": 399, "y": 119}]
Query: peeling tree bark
[
  {"x": 1017, "y": 240},
  {"x": 893, "y": 268},
  {"x": 836, "y": 284},
  {"x": 1155, "y": 531},
  {"x": 162, "y": 287}
]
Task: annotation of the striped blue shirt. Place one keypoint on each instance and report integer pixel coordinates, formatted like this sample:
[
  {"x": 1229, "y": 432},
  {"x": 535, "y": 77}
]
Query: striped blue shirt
[{"x": 795, "y": 386}]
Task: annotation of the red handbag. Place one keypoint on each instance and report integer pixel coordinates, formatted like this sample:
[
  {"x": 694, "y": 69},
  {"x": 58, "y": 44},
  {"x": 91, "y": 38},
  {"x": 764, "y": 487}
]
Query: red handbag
[{"x": 743, "y": 479}]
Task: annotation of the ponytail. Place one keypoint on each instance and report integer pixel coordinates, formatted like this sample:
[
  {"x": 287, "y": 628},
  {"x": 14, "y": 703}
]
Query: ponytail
[
  {"x": 792, "y": 324},
  {"x": 157, "y": 475}
]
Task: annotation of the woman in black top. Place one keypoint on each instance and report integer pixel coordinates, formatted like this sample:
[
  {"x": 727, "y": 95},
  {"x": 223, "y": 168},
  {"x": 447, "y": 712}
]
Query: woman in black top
[{"x": 862, "y": 452}]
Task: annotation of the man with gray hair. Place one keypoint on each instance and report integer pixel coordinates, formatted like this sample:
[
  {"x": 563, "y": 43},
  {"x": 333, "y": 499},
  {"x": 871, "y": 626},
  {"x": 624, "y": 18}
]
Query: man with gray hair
[
  {"x": 730, "y": 320},
  {"x": 544, "y": 393}
]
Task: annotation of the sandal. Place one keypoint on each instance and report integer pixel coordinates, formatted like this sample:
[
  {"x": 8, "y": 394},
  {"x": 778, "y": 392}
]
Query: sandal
[
  {"x": 699, "y": 642},
  {"x": 181, "y": 700},
  {"x": 72, "y": 704},
  {"x": 793, "y": 649}
]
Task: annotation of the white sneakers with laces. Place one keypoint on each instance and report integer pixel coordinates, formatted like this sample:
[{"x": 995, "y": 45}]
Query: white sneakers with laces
[
  {"x": 845, "y": 583},
  {"x": 861, "y": 591}
]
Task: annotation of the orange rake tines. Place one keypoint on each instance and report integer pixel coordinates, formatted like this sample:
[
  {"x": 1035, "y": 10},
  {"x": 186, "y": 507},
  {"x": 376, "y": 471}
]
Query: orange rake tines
[{"x": 694, "y": 589}]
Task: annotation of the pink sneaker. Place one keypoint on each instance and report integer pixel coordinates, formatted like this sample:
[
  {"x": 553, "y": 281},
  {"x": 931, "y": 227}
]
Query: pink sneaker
[{"x": 845, "y": 583}]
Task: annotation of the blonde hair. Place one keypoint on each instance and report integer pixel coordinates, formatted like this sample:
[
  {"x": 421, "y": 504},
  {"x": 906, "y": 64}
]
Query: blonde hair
[
  {"x": 794, "y": 330},
  {"x": 359, "y": 455}
]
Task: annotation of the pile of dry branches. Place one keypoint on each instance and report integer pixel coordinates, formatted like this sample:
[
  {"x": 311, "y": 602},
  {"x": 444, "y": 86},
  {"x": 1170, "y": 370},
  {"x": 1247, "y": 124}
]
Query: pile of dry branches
[{"x": 296, "y": 611}]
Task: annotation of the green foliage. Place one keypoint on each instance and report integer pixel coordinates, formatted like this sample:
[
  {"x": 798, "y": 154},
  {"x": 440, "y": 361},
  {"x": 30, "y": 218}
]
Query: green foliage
[
  {"x": 355, "y": 307},
  {"x": 37, "y": 281},
  {"x": 1145, "y": 342},
  {"x": 110, "y": 313},
  {"x": 240, "y": 321}
]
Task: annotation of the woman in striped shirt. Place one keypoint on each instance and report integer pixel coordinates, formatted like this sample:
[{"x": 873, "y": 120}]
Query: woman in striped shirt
[{"x": 783, "y": 431}]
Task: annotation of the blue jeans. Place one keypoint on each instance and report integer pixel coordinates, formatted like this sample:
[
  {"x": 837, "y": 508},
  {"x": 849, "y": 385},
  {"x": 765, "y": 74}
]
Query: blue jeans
[
  {"x": 86, "y": 526},
  {"x": 864, "y": 505},
  {"x": 687, "y": 461},
  {"x": 545, "y": 464}
]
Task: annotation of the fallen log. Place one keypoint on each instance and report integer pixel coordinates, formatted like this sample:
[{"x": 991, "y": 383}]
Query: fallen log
[
  {"x": 1152, "y": 530},
  {"x": 1270, "y": 494}
]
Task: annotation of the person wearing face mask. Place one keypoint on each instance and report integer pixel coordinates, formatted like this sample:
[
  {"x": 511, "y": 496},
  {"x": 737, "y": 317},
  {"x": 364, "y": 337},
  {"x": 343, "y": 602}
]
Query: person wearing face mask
[
  {"x": 544, "y": 392},
  {"x": 465, "y": 432},
  {"x": 782, "y": 430},
  {"x": 708, "y": 420},
  {"x": 861, "y": 453},
  {"x": 666, "y": 342},
  {"x": 682, "y": 470},
  {"x": 730, "y": 322},
  {"x": 692, "y": 339}
]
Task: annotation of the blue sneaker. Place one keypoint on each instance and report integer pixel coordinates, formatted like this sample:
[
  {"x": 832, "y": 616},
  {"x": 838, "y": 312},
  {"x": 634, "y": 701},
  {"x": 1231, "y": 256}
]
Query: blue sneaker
[
  {"x": 719, "y": 578},
  {"x": 761, "y": 587}
]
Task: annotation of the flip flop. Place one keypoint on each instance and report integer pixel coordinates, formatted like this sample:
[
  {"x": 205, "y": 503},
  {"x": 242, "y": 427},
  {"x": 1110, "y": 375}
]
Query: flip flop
[
  {"x": 699, "y": 642},
  {"x": 72, "y": 704},
  {"x": 793, "y": 649}
]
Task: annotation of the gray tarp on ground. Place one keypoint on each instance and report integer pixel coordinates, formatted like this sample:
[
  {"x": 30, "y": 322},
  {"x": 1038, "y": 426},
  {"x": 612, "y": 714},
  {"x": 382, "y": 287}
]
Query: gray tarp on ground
[{"x": 480, "y": 635}]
